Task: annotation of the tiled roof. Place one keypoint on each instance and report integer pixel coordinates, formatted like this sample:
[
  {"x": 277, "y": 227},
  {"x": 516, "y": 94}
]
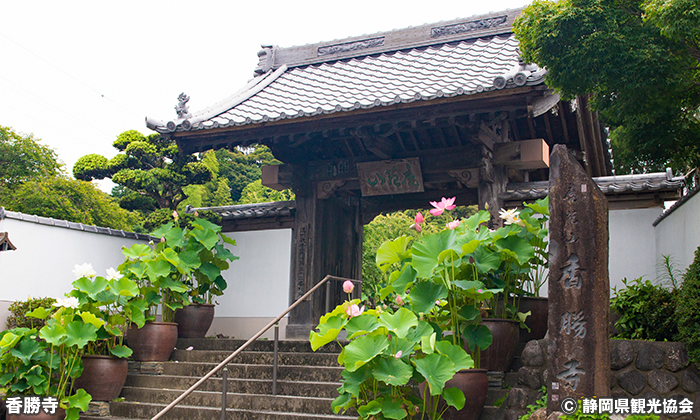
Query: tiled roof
[
  {"x": 609, "y": 185},
  {"x": 251, "y": 211},
  {"x": 49, "y": 221},
  {"x": 676, "y": 205},
  {"x": 416, "y": 64}
]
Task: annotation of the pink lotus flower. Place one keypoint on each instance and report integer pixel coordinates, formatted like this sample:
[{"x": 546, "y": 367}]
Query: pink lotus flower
[
  {"x": 354, "y": 310},
  {"x": 444, "y": 204},
  {"x": 175, "y": 215},
  {"x": 348, "y": 287},
  {"x": 453, "y": 224},
  {"x": 162, "y": 239},
  {"x": 399, "y": 301},
  {"x": 398, "y": 354},
  {"x": 417, "y": 222}
]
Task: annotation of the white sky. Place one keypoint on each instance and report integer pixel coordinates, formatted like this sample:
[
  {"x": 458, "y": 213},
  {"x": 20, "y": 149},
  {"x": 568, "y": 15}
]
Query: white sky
[{"x": 78, "y": 73}]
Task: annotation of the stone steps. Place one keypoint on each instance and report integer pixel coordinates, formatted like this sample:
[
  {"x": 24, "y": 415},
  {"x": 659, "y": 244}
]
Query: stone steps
[{"x": 307, "y": 383}]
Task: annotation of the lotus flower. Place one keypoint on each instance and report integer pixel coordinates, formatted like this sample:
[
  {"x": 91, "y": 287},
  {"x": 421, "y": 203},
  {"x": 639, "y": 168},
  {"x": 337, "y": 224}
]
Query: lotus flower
[
  {"x": 354, "y": 310},
  {"x": 453, "y": 224},
  {"x": 417, "y": 222},
  {"x": 398, "y": 354},
  {"x": 348, "y": 287},
  {"x": 510, "y": 216},
  {"x": 113, "y": 274},
  {"x": 69, "y": 302},
  {"x": 399, "y": 301},
  {"x": 84, "y": 270},
  {"x": 444, "y": 204}
]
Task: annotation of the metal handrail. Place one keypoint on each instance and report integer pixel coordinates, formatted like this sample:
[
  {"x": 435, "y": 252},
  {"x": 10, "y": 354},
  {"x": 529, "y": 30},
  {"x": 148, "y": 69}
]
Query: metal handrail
[{"x": 246, "y": 344}]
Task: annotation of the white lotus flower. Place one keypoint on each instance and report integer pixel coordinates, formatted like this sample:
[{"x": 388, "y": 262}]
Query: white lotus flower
[
  {"x": 69, "y": 302},
  {"x": 113, "y": 274},
  {"x": 510, "y": 216},
  {"x": 84, "y": 270}
]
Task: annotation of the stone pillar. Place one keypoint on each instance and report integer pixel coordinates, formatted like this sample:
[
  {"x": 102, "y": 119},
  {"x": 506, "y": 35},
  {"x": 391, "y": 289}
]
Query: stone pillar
[{"x": 579, "y": 291}]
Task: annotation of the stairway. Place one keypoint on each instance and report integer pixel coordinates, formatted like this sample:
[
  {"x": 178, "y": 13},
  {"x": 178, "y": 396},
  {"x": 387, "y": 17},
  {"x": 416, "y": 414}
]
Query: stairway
[{"x": 306, "y": 386}]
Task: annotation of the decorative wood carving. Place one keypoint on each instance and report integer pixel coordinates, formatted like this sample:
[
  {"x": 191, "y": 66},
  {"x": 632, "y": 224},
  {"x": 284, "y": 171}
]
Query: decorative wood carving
[
  {"x": 327, "y": 188},
  {"x": 474, "y": 25},
  {"x": 399, "y": 176},
  {"x": 469, "y": 177},
  {"x": 350, "y": 46}
]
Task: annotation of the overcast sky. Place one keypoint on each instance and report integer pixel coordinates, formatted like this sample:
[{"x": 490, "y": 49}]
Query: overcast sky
[{"x": 78, "y": 73}]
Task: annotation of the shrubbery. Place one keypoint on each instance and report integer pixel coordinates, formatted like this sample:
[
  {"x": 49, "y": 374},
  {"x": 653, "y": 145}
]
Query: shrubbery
[
  {"x": 18, "y": 309},
  {"x": 646, "y": 311},
  {"x": 688, "y": 309}
]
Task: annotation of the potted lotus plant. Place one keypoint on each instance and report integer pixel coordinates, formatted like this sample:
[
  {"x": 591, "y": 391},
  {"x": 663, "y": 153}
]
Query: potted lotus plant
[
  {"x": 114, "y": 300},
  {"x": 44, "y": 363},
  {"x": 202, "y": 245}
]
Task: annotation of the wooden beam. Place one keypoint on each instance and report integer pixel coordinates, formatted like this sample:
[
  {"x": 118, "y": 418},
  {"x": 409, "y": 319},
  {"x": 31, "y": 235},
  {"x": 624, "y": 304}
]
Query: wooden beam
[
  {"x": 277, "y": 177},
  {"x": 525, "y": 154}
]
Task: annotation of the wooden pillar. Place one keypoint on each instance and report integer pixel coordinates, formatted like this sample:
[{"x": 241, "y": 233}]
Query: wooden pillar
[
  {"x": 493, "y": 180},
  {"x": 327, "y": 239}
]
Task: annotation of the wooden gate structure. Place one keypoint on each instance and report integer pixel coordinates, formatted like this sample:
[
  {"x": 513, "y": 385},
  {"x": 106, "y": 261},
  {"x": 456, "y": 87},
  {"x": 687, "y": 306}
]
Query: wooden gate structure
[{"x": 391, "y": 121}]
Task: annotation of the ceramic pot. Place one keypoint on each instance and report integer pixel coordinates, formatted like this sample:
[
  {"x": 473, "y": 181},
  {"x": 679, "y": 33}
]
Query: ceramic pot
[
  {"x": 538, "y": 319},
  {"x": 193, "y": 321},
  {"x": 59, "y": 415},
  {"x": 154, "y": 342},
  {"x": 103, "y": 377},
  {"x": 500, "y": 354},
  {"x": 474, "y": 384}
]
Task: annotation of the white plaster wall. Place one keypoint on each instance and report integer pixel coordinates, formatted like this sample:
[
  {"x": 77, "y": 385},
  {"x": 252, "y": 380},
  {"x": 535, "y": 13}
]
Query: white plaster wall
[
  {"x": 632, "y": 246},
  {"x": 43, "y": 263},
  {"x": 258, "y": 283},
  {"x": 678, "y": 235}
]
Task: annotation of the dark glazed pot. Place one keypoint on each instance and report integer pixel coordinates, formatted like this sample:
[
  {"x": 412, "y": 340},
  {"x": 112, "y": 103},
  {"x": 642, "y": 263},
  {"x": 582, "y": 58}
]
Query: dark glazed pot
[
  {"x": 500, "y": 354},
  {"x": 59, "y": 415},
  {"x": 538, "y": 319},
  {"x": 154, "y": 342},
  {"x": 193, "y": 321},
  {"x": 474, "y": 384},
  {"x": 103, "y": 377}
]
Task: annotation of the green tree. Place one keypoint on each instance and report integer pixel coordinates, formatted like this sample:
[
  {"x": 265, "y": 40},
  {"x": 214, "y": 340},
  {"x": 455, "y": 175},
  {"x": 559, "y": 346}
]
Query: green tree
[
  {"x": 241, "y": 168},
  {"x": 22, "y": 158},
  {"x": 150, "y": 169},
  {"x": 69, "y": 199},
  {"x": 256, "y": 192},
  {"x": 639, "y": 60}
]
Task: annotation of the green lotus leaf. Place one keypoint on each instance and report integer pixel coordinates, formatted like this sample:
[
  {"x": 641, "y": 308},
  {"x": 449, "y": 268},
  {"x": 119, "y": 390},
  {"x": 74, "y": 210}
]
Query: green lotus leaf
[
  {"x": 344, "y": 401},
  {"x": 393, "y": 409},
  {"x": 424, "y": 294},
  {"x": 170, "y": 256},
  {"x": 174, "y": 237},
  {"x": 25, "y": 350},
  {"x": 39, "y": 313},
  {"x": 373, "y": 408},
  {"x": 456, "y": 353},
  {"x": 469, "y": 285},
  {"x": 6, "y": 378},
  {"x": 206, "y": 237},
  {"x": 486, "y": 260},
  {"x": 469, "y": 313},
  {"x": 422, "y": 329},
  {"x": 405, "y": 279},
  {"x": 124, "y": 287},
  {"x": 136, "y": 313},
  {"x": 363, "y": 324},
  {"x": 175, "y": 286},
  {"x": 540, "y": 206},
  {"x": 138, "y": 269},
  {"x": 35, "y": 377},
  {"x": 504, "y": 232},
  {"x": 328, "y": 331},
  {"x": 79, "y": 334},
  {"x": 404, "y": 345},
  {"x": 210, "y": 270},
  {"x": 427, "y": 343},
  {"x": 228, "y": 240},
  {"x": 516, "y": 247},
  {"x": 190, "y": 259},
  {"x": 206, "y": 225},
  {"x": 121, "y": 351},
  {"x": 163, "y": 230},
  {"x": 224, "y": 253},
  {"x": 392, "y": 371},
  {"x": 352, "y": 380},
  {"x": 78, "y": 401},
  {"x": 436, "y": 369},
  {"x": 477, "y": 335},
  {"x": 454, "y": 397},
  {"x": 54, "y": 333},
  {"x": 482, "y": 216},
  {"x": 363, "y": 349},
  {"x": 91, "y": 287},
  {"x": 90, "y": 318},
  {"x": 136, "y": 251},
  {"x": 392, "y": 252},
  {"x": 432, "y": 249},
  {"x": 399, "y": 322},
  {"x": 157, "y": 269}
]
